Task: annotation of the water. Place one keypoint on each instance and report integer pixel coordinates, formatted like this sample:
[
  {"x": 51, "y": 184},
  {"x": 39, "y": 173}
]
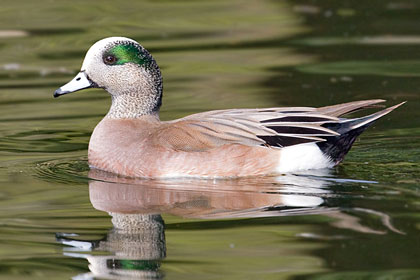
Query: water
[{"x": 357, "y": 221}]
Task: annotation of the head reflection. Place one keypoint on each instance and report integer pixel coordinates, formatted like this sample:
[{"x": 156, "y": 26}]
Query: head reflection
[{"x": 134, "y": 248}]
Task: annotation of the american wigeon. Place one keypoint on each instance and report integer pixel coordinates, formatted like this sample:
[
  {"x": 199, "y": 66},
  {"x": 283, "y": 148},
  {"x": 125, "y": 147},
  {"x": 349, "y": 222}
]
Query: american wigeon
[{"x": 132, "y": 141}]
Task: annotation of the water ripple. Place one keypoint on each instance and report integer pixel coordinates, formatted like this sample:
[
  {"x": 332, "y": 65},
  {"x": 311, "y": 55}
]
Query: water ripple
[
  {"x": 47, "y": 141},
  {"x": 63, "y": 171}
]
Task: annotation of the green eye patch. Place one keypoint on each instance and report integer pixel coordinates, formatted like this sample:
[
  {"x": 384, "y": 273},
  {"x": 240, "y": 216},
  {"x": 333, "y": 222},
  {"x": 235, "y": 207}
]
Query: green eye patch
[{"x": 125, "y": 53}]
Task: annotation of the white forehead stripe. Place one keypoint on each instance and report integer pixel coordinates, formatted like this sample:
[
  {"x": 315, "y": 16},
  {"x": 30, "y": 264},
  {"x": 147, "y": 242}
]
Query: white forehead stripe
[{"x": 97, "y": 49}]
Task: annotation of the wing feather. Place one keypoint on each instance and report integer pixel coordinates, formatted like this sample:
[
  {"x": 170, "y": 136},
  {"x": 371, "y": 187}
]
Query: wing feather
[{"x": 271, "y": 127}]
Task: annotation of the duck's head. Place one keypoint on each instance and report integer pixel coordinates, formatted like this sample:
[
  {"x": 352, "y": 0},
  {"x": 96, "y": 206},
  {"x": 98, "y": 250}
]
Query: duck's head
[{"x": 126, "y": 70}]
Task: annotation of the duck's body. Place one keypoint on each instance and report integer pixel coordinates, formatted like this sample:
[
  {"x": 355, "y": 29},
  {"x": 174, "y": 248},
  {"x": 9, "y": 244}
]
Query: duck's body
[{"x": 132, "y": 141}]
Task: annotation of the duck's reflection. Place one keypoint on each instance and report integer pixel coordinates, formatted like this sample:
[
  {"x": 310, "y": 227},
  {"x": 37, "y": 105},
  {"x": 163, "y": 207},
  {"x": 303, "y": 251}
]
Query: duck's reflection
[
  {"x": 206, "y": 199},
  {"x": 136, "y": 243}
]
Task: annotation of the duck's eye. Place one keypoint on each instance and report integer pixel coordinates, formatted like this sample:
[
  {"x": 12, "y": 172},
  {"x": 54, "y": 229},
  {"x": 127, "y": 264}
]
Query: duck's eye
[{"x": 109, "y": 59}]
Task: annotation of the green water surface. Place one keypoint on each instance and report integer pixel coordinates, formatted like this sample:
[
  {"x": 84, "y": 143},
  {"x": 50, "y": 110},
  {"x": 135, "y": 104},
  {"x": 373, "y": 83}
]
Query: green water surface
[{"x": 360, "y": 220}]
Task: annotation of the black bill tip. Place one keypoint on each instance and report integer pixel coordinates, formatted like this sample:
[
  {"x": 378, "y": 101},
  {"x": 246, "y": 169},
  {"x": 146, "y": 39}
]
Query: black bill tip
[{"x": 59, "y": 92}]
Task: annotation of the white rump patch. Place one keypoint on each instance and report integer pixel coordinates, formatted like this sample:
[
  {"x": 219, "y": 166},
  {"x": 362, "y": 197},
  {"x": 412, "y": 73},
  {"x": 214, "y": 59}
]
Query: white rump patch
[{"x": 302, "y": 157}]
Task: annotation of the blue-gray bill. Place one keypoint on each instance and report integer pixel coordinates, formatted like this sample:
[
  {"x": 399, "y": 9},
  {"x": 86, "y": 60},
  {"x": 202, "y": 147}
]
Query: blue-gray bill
[{"x": 81, "y": 81}]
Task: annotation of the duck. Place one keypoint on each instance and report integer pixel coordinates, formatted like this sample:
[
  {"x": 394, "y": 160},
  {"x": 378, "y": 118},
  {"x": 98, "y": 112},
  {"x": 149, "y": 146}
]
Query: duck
[{"x": 132, "y": 141}]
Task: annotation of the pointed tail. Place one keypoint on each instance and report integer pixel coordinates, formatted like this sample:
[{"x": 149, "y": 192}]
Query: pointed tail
[{"x": 336, "y": 147}]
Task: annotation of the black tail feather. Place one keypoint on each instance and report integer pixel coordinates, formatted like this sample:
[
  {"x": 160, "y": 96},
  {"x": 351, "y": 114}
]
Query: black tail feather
[{"x": 336, "y": 147}]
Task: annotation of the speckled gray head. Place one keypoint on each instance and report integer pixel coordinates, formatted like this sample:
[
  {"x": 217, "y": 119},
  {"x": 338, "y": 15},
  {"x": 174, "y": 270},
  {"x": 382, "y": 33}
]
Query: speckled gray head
[{"x": 127, "y": 71}]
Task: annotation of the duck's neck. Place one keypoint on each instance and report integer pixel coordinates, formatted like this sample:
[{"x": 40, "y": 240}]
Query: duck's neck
[
  {"x": 137, "y": 94},
  {"x": 133, "y": 106}
]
